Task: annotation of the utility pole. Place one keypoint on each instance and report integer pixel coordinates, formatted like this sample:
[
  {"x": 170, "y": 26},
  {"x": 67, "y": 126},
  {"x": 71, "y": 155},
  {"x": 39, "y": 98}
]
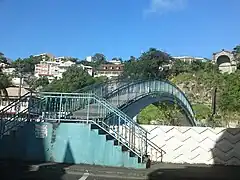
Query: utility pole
[{"x": 20, "y": 86}]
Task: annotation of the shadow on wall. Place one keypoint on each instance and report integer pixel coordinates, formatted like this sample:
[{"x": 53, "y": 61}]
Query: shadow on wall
[
  {"x": 23, "y": 156},
  {"x": 225, "y": 152}
]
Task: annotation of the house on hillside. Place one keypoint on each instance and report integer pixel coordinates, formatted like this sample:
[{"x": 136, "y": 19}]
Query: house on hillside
[
  {"x": 109, "y": 70},
  {"x": 13, "y": 95}
]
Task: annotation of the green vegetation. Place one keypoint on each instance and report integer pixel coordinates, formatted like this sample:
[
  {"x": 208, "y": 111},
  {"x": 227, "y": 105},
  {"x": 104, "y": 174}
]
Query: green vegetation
[
  {"x": 39, "y": 83},
  {"x": 150, "y": 64},
  {"x": 197, "y": 79},
  {"x": 3, "y": 59},
  {"x": 26, "y": 65},
  {"x": 73, "y": 79},
  {"x": 160, "y": 113},
  {"x": 5, "y": 81}
]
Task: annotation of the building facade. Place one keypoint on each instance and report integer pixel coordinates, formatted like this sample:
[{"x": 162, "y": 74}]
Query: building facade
[
  {"x": 109, "y": 70},
  {"x": 52, "y": 69},
  {"x": 13, "y": 95},
  {"x": 190, "y": 59},
  {"x": 225, "y": 61}
]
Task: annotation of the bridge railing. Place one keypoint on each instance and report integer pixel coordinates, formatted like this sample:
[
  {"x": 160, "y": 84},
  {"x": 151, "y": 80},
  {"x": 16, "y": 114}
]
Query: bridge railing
[
  {"x": 11, "y": 121},
  {"x": 120, "y": 126},
  {"x": 136, "y": 89}
]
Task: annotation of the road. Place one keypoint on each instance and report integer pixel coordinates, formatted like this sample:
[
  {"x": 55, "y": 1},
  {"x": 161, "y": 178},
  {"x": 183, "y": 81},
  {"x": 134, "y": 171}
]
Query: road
[
  {"x": 72, "y": 176},
  {"x": 86, "y": 172},
  {"x": 52, "y": 171},
  {"x": 66, "y": 176}
]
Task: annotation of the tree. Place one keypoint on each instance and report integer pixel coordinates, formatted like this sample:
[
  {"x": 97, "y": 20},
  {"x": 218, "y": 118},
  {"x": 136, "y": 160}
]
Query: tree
[
  {"x": 151, "y": 64},
  {"x": 160, "y": 113},
  {"x": 39, "y": 83},
  {"x": 179, "y": 67},
  {"x": 99, "y": 58},
  {"x": 73, "y": 79},
  {"x": 73, "y": 59},
  {"x": 202, "y": 112},
  {"x": 3, "y": 59},
  {"x": 26, "y": 65},
  {"x": 5, "y": 82},
  {"x": 132, "y": 58},
  {"x": 236, "y": 52}
]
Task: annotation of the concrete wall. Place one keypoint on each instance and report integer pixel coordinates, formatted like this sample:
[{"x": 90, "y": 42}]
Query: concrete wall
[
  {"x": 65, "y": 142},
  {"x": 196, "y": 145}
]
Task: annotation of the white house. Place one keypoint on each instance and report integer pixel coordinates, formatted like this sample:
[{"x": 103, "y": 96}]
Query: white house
[
  {"x": 52, "y": 69},
  {"x": 89, "y": 69},
  {"x": 13, "y": 95}
]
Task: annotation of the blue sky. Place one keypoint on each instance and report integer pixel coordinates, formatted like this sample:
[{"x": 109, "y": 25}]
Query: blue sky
[{"x": 117, "y": 28}]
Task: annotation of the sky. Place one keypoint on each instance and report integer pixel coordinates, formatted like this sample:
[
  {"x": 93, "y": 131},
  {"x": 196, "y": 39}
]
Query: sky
[{"x": 118, "y": 28}]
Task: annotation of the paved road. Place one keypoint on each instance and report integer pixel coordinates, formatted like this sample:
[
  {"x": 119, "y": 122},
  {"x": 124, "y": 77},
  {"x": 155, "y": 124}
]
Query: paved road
[
  {"x": 66, "y": 176},
  {"x": 87, "y": 172},
  {"x": 73, "y": 176},
  {"x": 51, "y": 171}
]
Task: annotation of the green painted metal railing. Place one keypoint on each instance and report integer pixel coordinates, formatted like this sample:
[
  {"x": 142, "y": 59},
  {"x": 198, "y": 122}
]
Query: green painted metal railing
[
  {"x": 130, "y": 89},
  {"x": 52, "y": 106},
  {"x": 11, "y": 120},
  {"x": 134, "y": 90},
  {"x": 120, "y": 126}
]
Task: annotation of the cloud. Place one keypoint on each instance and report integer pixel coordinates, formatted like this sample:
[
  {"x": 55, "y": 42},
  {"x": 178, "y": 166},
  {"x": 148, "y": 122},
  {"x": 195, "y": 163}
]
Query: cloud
[{"x": 163, "y": 6}]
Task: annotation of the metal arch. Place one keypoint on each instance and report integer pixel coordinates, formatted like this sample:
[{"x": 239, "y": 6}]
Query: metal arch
[
  {"x": 162, "y": 97},
  {"x": 100, "y": 88},
  {"x": 95, "y": 86},
  {"x": 167, "y": 86},
  {"x": 103, "y": 90}
]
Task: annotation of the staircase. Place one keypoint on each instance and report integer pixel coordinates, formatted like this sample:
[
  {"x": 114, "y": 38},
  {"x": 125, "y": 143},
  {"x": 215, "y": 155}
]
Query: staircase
[
  {"x": 89, "y": 108},
  {"x": 105, "y": 120},
  {"x": 15, "y": 115}
]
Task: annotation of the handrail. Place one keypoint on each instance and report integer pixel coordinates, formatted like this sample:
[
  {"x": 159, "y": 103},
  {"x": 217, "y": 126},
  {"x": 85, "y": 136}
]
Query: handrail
[
  {"x": 119, "y": 139},
  {"x": 139, "y": 133},
  {"x": 156, "y": 147},
  {"x": 86, "y": 88},
  {"x": 11, "y": 120},
  {"x": 16, "y": 101},
  {"x": 142, "y": 81},
  {"x": 120, "y": 112},
  {"x": 107, "y": 103},
  {"x": 26, "y": 109},
  {"x": 9, "y": 107},
  {"x": 180, "y": 103},
  {"x": 136, "y": 81},
  {"x": 148, "y": 141}
]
